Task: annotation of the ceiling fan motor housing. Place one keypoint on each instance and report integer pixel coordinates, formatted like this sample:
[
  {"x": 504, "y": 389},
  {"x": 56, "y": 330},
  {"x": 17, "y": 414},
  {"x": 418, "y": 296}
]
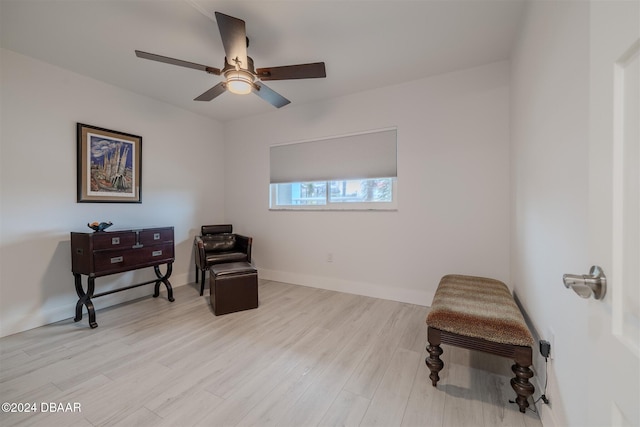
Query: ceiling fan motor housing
[{"x": 244, "y": 67}]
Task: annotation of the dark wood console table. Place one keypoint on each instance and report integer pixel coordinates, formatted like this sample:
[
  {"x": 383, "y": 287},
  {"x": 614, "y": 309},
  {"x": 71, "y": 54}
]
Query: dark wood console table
[{"x": 109, "y": 252}]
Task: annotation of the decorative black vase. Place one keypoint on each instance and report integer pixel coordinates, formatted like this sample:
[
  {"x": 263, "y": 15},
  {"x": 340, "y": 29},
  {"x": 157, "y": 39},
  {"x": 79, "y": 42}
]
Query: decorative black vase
[{"x": 96, "y": 227}]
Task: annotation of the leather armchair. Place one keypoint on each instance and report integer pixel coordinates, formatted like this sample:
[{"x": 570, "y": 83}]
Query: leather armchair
[{"x": 217, "y": 244}]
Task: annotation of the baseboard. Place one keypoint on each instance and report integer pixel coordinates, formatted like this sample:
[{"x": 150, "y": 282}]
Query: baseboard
[
  {"x": 22, "y": 319},
  {"x": 411, "y": 296},
  {"x": 547, "y": 416}
]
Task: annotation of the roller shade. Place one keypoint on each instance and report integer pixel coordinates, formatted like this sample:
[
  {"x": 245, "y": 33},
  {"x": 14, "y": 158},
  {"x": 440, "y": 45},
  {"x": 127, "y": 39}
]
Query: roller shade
[{"x": 364, "y": 155}]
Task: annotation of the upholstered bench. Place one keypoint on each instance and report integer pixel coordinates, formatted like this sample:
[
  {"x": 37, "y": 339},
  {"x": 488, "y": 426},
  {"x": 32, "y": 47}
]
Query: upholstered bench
[
  {"x": 480, "y": 314},
  {"x": 233, "y": 287}
]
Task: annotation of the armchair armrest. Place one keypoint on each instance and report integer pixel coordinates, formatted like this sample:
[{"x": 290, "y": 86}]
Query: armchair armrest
[
  {"x": 200, "y": 255},
  {"x": 244, "y": 244}
]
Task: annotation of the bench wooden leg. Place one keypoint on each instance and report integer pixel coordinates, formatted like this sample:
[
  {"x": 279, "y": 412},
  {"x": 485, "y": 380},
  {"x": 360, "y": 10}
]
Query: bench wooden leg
[
  {"x": 434, "y": 363},
  {"x": 520, "y": 383},
  {"x": 522, "y": 356}
]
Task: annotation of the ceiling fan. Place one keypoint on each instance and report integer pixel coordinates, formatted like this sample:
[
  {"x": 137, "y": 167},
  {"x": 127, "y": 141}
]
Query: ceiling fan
[{"x": 240, "y": 75}]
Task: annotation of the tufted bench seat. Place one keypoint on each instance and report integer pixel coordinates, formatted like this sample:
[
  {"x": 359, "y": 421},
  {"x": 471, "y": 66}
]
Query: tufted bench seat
[{"x": 478, "y": 313}]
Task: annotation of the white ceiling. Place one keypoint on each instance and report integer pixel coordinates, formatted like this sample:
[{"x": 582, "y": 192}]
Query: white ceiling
[{"x": 365, "y": 44}]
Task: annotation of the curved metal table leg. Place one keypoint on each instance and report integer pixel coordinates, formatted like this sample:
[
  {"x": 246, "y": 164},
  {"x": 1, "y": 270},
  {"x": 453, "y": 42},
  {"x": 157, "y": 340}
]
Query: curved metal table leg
[
  {"x": 163, "y": 279},
  {"x": 84, "y": 298}
]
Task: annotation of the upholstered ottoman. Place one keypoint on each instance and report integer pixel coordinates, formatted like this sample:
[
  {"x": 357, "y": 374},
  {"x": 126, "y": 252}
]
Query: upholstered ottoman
[
  {"x": 480, "y": 314},
  {"x": 233, "y": 287}
]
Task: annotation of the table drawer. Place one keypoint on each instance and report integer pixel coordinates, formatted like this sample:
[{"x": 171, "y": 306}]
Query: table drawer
[
  {"x": 113, "y": 240},
  {"x": 113, "y": 261},
  {"x": 154, "y": 236}
]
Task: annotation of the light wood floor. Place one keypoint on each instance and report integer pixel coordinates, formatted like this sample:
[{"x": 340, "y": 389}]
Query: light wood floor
[{"x": 305, "y": 357}]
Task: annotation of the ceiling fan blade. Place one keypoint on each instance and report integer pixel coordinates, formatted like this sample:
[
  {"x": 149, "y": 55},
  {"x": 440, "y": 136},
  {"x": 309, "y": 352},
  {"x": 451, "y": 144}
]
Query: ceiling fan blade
[
  {"x": 269, "y": 95},
  {"x": 234, "y": 39},
  {"x": 173, "y": 61},
  {"x": 218, "y": 89},
  {"x": 288, "y": 72}
]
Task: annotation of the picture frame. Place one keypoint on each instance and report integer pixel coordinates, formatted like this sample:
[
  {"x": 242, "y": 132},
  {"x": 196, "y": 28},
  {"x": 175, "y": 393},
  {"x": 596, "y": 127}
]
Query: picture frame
[{"x": 109, "y": 166}]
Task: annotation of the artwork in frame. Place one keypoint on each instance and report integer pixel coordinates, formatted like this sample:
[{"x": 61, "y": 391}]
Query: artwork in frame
[{"x": 109, "y": 166}]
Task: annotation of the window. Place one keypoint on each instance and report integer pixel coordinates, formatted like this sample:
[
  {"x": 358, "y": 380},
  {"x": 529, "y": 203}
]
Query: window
[
  {"x": 376, "y": 193},
  {"x": 349, "y": 172}
]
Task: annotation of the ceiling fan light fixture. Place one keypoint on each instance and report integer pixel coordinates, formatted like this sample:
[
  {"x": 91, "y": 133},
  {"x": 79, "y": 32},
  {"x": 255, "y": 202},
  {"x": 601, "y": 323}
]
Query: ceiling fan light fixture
[{"x": 239, "y": 82}]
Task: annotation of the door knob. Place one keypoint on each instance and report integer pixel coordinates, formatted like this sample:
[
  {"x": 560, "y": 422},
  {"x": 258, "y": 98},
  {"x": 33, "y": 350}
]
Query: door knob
[{"x": 594, "y": 283}]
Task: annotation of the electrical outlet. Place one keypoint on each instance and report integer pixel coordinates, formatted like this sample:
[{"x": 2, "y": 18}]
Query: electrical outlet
[
  {"x": 329, "y": 257},
  {"x": 552, "y": 342}
]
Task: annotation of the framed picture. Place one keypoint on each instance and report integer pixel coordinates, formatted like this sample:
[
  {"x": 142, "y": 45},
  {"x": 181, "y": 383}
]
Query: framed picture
[{"x": 109, "y": 166}]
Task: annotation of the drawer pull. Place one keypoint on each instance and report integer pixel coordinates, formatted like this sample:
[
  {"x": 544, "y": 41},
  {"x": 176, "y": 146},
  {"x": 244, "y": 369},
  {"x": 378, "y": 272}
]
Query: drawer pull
[
  {"x": 116, "y": 260},
  {"x": 115, "y": 240},
  {"x": 137, "y": 246},
  {"x": 156, "y": 253},
  {"x": 156, "y": 236}
]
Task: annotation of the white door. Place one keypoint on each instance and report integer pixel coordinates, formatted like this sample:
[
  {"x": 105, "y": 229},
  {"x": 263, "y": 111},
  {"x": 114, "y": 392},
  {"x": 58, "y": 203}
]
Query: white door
[{"x": 614, "y": 213}]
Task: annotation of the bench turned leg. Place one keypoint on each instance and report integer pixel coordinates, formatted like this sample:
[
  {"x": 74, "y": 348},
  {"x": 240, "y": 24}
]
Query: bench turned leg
[
  {"x": 520, "y": 383},
  {"x": 434, "y": 363}
]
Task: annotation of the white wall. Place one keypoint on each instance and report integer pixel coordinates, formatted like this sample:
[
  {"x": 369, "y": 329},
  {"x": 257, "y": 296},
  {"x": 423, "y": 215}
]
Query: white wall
[
  {"x": 182, "y": 185},
  {"x": 550, "y": 110},
  {"x": 453, "y": 189}
]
